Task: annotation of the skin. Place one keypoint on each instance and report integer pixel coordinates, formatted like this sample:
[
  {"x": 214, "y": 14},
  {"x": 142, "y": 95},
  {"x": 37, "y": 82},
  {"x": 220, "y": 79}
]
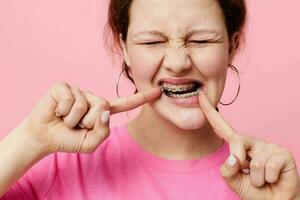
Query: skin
[
  {"x": 162, "y": 127},
  {"x": 177, "y": 54},
  {"x": 67, "y": 119},
  {"x": 173, "y": 57},
  {"x": 52, "y": 126},
  {"x": 273, "y": 171}
]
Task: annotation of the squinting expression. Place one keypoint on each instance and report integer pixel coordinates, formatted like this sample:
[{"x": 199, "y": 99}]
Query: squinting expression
[{"x": 178, "y": 39}]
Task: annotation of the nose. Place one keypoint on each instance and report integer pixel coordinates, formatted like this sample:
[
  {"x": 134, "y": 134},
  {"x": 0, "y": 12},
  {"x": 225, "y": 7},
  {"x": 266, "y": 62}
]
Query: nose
[{"x": 177, "y": 60}]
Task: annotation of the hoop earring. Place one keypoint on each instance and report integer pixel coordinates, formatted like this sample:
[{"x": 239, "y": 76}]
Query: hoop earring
[
  {"x": 124, "y": 68},
  {"x": 234, "y": 68}
]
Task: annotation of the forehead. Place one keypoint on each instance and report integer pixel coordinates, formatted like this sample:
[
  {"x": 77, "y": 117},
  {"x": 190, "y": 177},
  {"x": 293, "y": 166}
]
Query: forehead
[{"x": 175, "y": 14}]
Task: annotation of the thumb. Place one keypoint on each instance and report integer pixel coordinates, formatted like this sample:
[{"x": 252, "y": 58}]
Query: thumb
[
  {"x": 101, "y": 128},
  {"x": 230, "y": 171}
]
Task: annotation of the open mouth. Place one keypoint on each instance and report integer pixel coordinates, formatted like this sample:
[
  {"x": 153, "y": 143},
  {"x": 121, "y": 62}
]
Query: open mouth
[{"x": 181, "y": 90}]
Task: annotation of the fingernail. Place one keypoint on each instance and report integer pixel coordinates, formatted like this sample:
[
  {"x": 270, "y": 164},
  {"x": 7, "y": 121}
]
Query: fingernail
[
  {"x": 81, "y": 125},
  {"x": 203, "y": 90},
  {"x": 56, "y": 113},
  {"x": 161, "y": 89},
  {"x": 231, "y": 160},
  {"x": 246, "y": 171},
  {"x": 105, "y": 116}
]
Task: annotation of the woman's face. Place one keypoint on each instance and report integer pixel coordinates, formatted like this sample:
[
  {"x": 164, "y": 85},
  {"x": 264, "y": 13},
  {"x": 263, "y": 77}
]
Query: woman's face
[{"x": 178, "y": 40}]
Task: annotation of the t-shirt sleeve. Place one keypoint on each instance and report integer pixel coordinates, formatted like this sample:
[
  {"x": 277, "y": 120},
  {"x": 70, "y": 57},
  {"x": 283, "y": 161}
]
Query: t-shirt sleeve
[{"x": 36, "y": 182}]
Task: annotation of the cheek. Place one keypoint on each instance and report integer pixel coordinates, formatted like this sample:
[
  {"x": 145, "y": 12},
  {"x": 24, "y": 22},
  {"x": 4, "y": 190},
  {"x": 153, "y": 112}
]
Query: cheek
[
  {"x": 211, "y": 62},
  {"x": 145, "y": 64}
]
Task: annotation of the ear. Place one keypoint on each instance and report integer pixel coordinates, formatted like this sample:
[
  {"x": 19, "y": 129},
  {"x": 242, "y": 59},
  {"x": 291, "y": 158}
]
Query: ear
[
  {"x": 124, "y": 48},
  {"x": 233, "y": 45}
]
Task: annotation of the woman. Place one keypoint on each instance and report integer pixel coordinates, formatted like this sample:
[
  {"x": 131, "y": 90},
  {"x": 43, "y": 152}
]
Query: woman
[{"x": 177, "y": 54}]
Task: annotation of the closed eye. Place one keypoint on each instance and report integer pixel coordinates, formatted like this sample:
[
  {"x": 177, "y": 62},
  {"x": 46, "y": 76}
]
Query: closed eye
[
  {"x": 200, "y": 41},
  {"x": 152, "y": 43}
]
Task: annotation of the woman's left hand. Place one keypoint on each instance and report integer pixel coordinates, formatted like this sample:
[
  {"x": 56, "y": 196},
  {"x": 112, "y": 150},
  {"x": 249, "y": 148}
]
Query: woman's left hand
[{"x": 255, "y": 169}]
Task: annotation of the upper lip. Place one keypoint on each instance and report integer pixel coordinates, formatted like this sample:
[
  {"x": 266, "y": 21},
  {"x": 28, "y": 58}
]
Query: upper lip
[{"x": 179, "y": 81}]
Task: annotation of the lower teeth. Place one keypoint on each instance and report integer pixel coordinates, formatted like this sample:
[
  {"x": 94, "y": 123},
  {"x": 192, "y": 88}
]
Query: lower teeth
[{"x": 184, "y": 95}]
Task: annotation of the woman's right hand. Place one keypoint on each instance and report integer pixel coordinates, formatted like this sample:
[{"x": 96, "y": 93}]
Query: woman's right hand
[{"x": 67, "y": 119}]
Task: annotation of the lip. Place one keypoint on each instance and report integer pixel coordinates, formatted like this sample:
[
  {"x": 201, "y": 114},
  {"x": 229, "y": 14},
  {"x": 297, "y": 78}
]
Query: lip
[
  {"x": 179, "y": 81},
  {"x": 184, "y": 102}
]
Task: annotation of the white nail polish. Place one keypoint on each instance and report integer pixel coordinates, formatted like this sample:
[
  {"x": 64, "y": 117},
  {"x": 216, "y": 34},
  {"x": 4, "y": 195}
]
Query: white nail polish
[
  {"x": 231, "y": 160},
  {"x": 246, "y": 171},
  {"x": 105, "y": 116}
]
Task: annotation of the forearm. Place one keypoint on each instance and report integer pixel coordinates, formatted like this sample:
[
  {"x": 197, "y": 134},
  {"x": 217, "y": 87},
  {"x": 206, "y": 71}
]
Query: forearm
[{"x": 17, "y": 155}]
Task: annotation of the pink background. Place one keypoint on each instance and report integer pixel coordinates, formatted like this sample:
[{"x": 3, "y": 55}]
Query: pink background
[{"x": 42, "y": 42}]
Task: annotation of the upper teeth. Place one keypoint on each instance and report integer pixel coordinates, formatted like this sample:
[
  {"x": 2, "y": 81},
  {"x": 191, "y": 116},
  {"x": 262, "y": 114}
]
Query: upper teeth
[{"x": 177, "y": 88}]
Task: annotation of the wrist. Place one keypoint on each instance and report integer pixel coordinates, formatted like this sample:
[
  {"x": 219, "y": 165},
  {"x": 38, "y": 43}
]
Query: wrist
[
  {"x": 22, "y": 138},
  {"x": 18, "y": 154}
]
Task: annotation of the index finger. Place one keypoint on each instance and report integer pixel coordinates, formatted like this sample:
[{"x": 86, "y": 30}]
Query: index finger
[
  {"x": 219, "y": 124},
  {"x": 133, "y": 101}
]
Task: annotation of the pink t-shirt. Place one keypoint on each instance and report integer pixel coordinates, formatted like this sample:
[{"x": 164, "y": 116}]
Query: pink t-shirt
[{"x": 121, "y": 169}]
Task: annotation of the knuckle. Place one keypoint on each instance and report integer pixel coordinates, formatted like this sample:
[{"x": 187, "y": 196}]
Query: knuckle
[
  {"x": 285, "y": 152},
  {"x": 273, "y": 146},
  {"x": 236, "y": 138},
  {"x": 89, "y": 93},
  {"x": 68, "y": 98},
  {"x": 256, "y": 164},
  {"x": 239, "y": 139},
  {"x": 272, "y": 165},
  {"x": 81, "y": 106},
  {"x": 103, "y": 104},
  {"x": 289, "y": 154},
  {"x": 60, "y": 84},
  {"x": 75, "y": 87}
]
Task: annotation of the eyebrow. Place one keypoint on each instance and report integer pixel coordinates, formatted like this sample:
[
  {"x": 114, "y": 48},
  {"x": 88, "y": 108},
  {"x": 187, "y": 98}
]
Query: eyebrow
[
  {"x": 201, "y": 31},
  {"x": 196, "y": 31},
  {"x": 151, "y": 32}
]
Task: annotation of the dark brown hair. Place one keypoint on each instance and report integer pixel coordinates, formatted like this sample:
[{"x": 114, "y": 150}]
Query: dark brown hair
[{"x": 118, "y": 21}]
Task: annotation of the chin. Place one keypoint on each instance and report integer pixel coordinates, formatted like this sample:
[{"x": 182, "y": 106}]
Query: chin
[
  {"x": 185, "y": 118},
  {"x": 189, "y": 120},
  {"x": 188, "y": 126}
]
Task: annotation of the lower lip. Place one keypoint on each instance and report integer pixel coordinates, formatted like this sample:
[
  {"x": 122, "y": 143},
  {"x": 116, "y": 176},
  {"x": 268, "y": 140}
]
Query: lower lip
[{"x": 186, "y": 102}]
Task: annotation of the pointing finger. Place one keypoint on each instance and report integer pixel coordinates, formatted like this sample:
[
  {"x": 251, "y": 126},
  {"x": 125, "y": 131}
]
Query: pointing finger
[
  {"x": 133, "y": 101},
  {"x": 219, "y": 124}
]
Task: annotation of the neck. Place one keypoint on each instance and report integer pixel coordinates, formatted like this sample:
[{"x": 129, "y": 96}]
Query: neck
[{"x": 164, "y": 139}]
